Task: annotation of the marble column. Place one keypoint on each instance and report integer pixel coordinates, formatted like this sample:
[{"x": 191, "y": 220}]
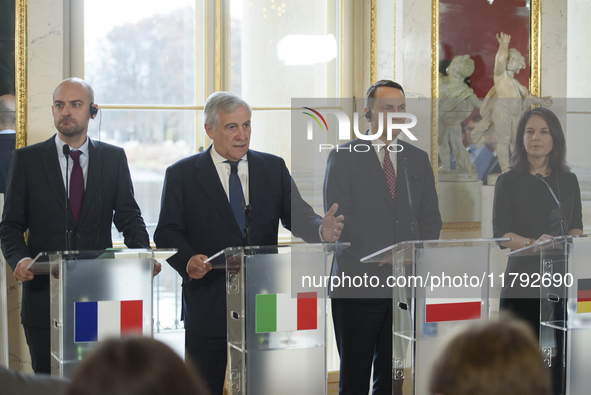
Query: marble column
[
  {"x": 578, "y": 139},
  {"x": 385, "y": 39},
  {"x": 47, "y": 63}
]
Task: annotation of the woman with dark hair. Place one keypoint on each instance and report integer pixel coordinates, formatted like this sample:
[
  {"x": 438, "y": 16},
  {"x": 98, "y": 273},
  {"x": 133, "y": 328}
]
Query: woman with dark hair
[
  {"x": 136, "y": 366},
  {"x": 525, "y": 210},
  {"x": 523, "y": 159}
]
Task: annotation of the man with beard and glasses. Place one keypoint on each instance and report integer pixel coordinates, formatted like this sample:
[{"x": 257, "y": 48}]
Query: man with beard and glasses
[{"x": 100, "y": 193}]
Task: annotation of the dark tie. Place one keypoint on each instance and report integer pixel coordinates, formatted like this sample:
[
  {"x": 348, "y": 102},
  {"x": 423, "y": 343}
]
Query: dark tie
[
  {"x": 76, "y": 185},
  {"x": 236, "y": 195},
  {"x": 390, "y": 173}
]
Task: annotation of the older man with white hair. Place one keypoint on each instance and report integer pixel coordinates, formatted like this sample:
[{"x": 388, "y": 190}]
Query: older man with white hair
[{"x": 202, "y": 213}]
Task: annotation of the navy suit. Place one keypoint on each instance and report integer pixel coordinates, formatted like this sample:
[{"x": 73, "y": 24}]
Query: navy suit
[
  {"x": 363, "y": 316},
  {"x": 35, "y": 202},
  {"x": 196, "y": 218}
]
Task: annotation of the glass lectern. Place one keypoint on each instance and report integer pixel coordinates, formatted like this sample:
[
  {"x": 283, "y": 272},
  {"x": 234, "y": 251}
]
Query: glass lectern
[
  {"x": 437, "y": 287},
  {"x": 96, "y": 295},
  {"x": 276, "y": 306},
  {"x": 565, "y": 309}
]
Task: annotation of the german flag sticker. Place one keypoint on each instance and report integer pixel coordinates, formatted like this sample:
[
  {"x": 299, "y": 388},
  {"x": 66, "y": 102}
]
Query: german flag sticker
[{"x": 584, "y": 295}]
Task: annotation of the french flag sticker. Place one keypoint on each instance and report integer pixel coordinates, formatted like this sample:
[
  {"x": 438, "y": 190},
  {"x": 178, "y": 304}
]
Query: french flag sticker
[{"x": 98, "y": 321}]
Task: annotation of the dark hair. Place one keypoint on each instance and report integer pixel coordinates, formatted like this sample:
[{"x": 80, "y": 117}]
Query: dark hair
[
  {"x": 136, "y": 366},
  {"x": 474, "y": 118},
  {"x": 370, "y": 93},
  {"x": 557, "y": 158},
  {"x": 491, "y": 358}
]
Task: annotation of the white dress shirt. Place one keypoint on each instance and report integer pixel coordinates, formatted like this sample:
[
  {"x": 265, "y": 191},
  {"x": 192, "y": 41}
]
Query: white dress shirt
[
  {"x": 62, "y": 159},
  {"x": 380, "y": 151},
  {"x": 223, "y": 170}
]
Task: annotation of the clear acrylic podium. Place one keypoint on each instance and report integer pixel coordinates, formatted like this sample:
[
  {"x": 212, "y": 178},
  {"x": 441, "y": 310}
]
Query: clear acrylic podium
[
  {"x": 96, "y": 295},
  {"x": 438, "y": 286},
  {"x": 276, "y": 306},
  {"x": 565, "y": 309}
]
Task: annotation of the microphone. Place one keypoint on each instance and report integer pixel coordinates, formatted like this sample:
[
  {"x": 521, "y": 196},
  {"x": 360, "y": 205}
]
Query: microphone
[
  {"x": 66, "y": 151},
  {"x": 414, "y": 224},
  {"x": 246, "y": 208},
  {"x": 562, "y": 220}
]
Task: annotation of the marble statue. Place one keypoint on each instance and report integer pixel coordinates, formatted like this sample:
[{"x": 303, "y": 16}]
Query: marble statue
[
  {"x": 505, "y": 102},
  {"x": 456, "y": 102}
]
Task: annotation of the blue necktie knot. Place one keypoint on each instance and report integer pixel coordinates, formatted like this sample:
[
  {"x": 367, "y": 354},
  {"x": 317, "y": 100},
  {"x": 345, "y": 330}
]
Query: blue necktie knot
[{"x": 233, "y": 164}]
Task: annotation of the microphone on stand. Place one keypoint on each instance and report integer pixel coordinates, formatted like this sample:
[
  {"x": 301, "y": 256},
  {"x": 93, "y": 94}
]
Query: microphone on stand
[
  {"x": 562, "y": 220},
  {"x": 246, "y": 208},
  {"x": 66, "y": 151},
  {"x": 414, "y": 224}
]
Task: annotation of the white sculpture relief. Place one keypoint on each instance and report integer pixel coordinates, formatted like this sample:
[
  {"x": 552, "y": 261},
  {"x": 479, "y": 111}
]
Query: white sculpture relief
[
  {"x": 456, "y": 103},
  {"x": 505, "y": 102}
]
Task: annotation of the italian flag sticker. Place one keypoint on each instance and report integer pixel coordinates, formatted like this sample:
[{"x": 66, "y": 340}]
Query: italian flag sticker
[{"x": 282, "y": 313}]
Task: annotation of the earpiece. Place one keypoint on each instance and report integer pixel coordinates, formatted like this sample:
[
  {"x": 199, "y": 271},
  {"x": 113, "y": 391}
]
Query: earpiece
[
  {"x": 93, "y": 110},
  {"x": 368, "y": 115}
]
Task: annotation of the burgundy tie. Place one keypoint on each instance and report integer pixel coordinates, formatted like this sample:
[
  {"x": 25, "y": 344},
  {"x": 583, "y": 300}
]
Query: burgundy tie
[
  {"x": 390, "y": 173},
  {"x": 76, "y": 185}
]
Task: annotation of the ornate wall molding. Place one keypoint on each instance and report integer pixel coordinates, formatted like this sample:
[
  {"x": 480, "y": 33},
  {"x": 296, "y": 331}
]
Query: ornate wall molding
[
  {"x": 434, "y": 87},
  {"x": 535, "y": 48},
  {"x": 461, "y": 227},
  {"x": 21, "y": 73},
  {"x": 373, "y": 44}
]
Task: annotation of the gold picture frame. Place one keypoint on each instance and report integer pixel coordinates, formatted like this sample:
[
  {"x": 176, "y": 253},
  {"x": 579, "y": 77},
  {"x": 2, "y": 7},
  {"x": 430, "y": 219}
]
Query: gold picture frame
[{"x": 21, "y": 72}]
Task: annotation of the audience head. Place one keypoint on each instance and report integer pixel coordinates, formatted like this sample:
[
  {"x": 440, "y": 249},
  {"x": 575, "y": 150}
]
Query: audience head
[
  {"x": 136, "y": 366},
  {"x": 7, "y": 112},
  {"x": 556, "y": 157},
  {"x": 495, "y": 358},
  {"x": 468, "y": 127}
]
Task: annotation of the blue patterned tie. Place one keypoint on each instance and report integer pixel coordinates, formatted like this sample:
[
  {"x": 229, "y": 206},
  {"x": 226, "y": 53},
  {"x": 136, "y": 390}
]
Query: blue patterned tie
[{"x": 236, "y": 200}]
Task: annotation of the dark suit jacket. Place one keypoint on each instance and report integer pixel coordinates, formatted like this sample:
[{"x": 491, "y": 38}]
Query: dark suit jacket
[
  {"x": 7, "y": 142},
  {"x": 196, "y": 218},
  {"x": 357, "y": 182},
  {"x": 35, "y": 201}
]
